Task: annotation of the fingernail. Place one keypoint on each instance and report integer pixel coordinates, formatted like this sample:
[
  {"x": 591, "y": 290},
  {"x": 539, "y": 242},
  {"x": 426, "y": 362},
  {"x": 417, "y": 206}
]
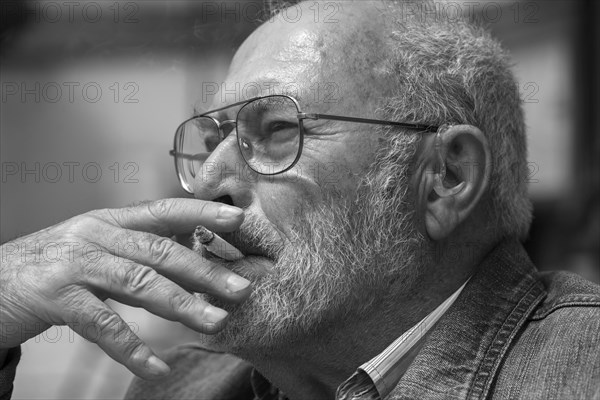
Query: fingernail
[
  {"x": 215, "y": 315},
  {"x": 235, "y": 283},
  {"x": 156, "y": 366},
  {"x": 228, "y": 212}
]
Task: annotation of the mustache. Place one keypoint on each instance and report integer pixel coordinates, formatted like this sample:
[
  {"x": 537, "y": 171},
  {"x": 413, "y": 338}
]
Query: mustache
[{"x": 254, "y": 237}]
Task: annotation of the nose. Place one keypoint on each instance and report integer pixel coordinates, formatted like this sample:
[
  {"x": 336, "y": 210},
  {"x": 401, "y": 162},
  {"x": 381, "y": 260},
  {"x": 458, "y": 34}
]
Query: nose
[{"x": 225, "y": 174}]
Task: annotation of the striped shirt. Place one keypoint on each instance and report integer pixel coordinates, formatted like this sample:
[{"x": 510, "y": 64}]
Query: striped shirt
[{"x": 376, "y": 378}]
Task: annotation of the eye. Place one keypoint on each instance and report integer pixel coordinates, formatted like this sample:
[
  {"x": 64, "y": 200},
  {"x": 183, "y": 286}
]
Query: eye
[
  {"x": 275, "y": 126},
  {"x": 280, "y": 131}
]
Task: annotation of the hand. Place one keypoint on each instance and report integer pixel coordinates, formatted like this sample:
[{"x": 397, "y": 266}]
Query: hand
[{"x": 62, "y": 274}]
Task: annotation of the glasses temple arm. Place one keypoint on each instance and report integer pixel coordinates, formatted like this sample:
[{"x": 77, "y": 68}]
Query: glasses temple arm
[
  {"x": 430, "y": 128},
  {"x": 188, "y": 156}
]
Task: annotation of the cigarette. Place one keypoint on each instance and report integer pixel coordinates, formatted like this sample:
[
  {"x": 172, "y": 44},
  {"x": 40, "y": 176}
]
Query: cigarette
[{"x": 217, "y": 245}]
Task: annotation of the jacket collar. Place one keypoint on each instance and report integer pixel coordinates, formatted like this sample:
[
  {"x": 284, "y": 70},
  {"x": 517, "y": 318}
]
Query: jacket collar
[{"x": 463, "y": 352}]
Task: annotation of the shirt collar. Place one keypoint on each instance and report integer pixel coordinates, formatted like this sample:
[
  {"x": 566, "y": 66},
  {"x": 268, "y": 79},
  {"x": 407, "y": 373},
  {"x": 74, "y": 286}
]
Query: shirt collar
[{"x": 386, "y": 369}]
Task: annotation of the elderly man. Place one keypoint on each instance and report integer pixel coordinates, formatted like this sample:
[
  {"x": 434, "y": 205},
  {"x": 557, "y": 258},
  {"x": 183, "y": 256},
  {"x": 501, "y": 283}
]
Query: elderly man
[{"x": 379, "y": 218}]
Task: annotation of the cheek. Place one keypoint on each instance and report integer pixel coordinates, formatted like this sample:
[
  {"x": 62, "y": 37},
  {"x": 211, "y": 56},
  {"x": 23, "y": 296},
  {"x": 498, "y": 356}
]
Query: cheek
[
  {"x": 351, "y": 164},
  {"x": 334, "y": 172},
  {"x": 337, "y": 165},
  {"x": 286, "y": 198}
]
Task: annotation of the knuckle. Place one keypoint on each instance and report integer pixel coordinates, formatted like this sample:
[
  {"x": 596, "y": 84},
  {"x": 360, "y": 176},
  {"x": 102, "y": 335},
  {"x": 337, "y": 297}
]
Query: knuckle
[
  {"x": 182, "y": 303},
  {"x": 160, "y": 208},
  {"x": 105, "y": 322},
  {"x": 160, "y": 249},
  {"x": 104, "y": 214},
  {"x": 83, "y": 229},
  {"x": 83, "y": 223},
  {"x": 203, "y": 207},
  {"x": 138, "y": 278},
  {"x": 91, "y": 265},
  {"x": 99, "y": 213},
  {"x": 211, "y": 273}
]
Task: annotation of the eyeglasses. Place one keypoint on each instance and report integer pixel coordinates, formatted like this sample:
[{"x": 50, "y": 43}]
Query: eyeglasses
[{"x": 270, "y": 134}]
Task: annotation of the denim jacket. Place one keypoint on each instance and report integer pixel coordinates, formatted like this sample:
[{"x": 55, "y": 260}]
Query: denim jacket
[{"x": 513, "y": 333}]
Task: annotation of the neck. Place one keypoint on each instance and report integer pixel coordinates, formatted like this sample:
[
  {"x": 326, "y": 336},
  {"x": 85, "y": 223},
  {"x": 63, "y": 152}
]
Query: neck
[{"x": 303, "y": 378}]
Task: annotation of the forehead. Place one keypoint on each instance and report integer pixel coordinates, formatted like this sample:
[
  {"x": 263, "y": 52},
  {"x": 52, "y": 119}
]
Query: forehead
[{"x": 334, "y": 64}]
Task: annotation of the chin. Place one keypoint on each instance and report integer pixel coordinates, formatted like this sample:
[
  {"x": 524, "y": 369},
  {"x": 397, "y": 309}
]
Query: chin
[
  {"x": 269, "y": 322},
  {"x": 248, "y": 331}
]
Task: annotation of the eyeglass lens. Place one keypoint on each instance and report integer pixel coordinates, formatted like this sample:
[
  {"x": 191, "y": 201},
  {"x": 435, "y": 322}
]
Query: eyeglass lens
[{"x": 268, "y": 135}]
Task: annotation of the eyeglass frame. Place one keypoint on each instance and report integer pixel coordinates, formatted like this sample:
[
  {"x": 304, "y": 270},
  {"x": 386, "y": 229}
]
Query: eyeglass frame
[{"x": 300, "y": 115}]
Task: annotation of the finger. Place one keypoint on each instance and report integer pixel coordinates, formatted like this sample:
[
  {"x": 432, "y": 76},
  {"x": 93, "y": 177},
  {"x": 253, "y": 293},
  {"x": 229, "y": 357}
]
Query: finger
[
  {"x": 98, "y": 323},
  {"x": 178, "y": 263},
  {"x": 168, "y": 217},
  {"x": 141, "y": 286}
]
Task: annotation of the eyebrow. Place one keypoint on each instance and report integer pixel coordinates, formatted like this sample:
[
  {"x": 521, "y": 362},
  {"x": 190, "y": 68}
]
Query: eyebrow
[{"x": 198, "y": 112}]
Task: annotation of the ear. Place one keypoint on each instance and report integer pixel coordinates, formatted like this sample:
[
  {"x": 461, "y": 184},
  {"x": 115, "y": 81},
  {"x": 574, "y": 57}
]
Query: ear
[{"x": 455, "y": 177}]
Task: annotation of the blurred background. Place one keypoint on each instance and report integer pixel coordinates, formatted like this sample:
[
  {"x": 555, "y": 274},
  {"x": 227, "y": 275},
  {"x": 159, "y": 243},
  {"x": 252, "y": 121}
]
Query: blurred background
[{"x": 92, "y": 92}]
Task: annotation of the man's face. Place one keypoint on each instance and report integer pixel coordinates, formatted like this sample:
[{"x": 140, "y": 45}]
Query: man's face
[{"x": 330, "y": 230}]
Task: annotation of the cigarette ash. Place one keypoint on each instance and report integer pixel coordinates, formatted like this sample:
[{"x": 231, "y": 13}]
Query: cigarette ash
[{"x": 203, "y": 235}]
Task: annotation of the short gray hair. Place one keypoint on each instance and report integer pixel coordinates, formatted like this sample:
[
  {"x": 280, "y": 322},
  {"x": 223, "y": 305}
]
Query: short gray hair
[{"x": 453, "y": 71}]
